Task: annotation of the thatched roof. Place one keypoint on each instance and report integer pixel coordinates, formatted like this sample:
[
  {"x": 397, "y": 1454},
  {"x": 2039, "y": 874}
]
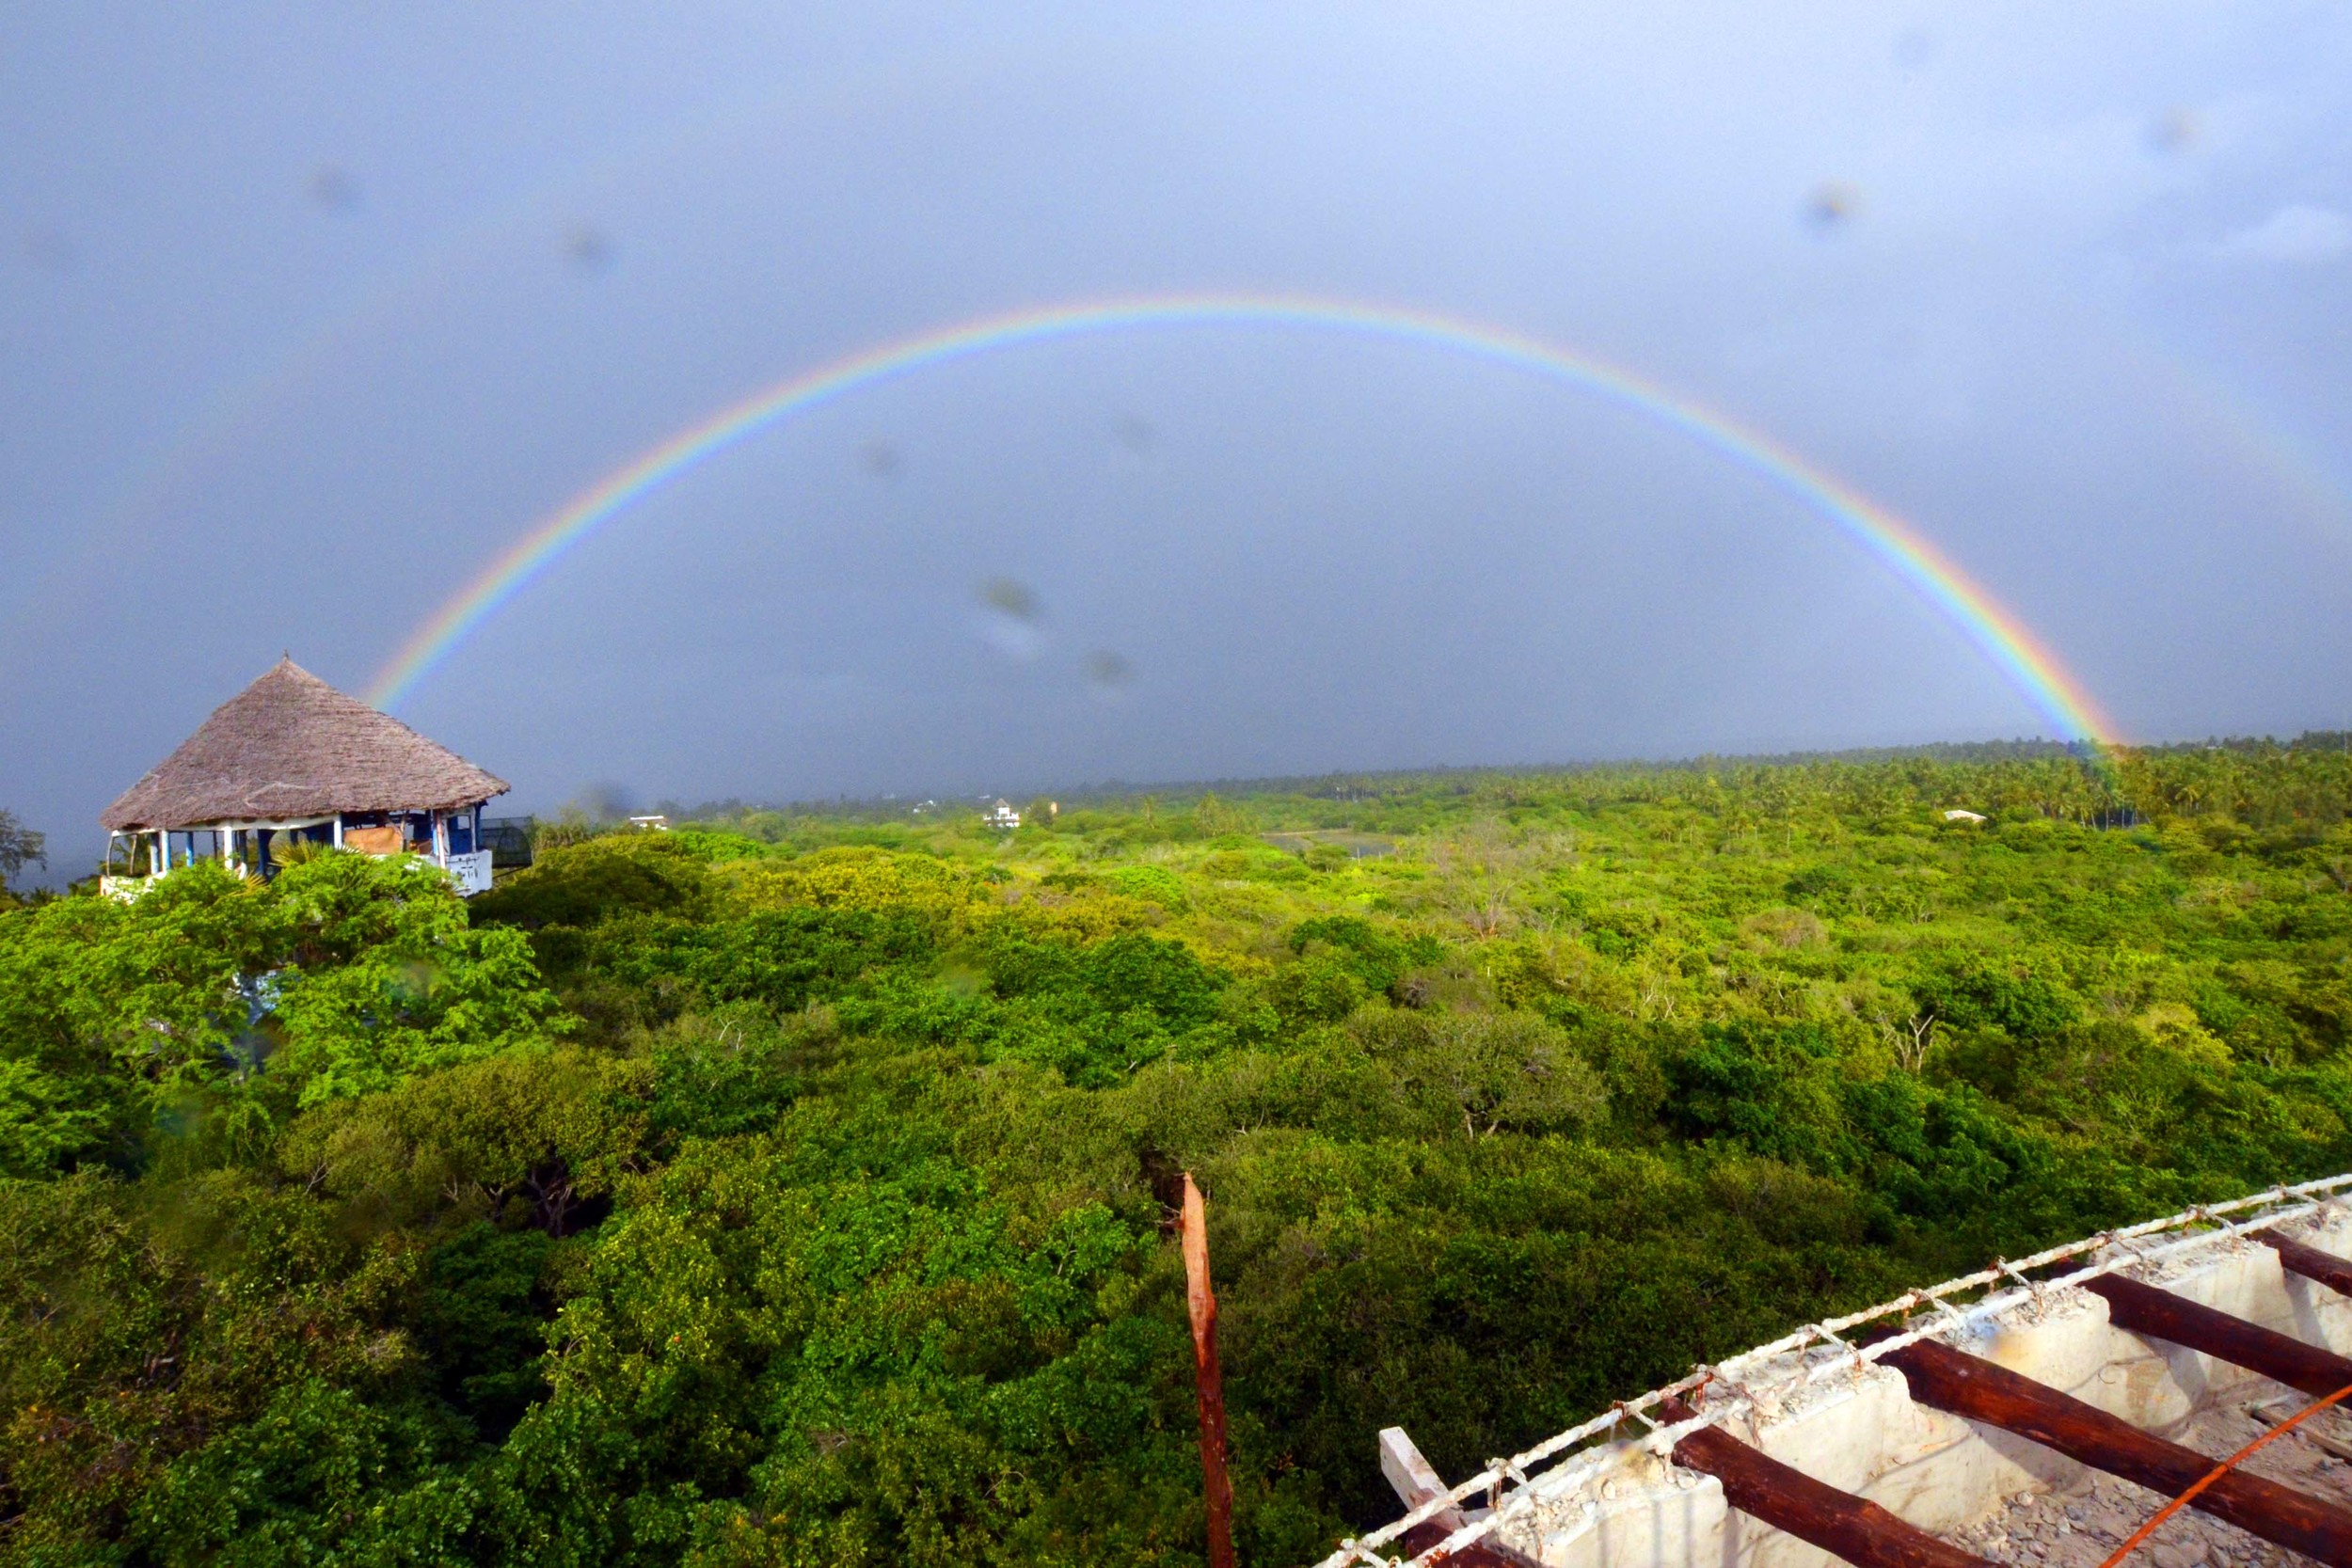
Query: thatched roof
[{"x": 289, "y": 746}]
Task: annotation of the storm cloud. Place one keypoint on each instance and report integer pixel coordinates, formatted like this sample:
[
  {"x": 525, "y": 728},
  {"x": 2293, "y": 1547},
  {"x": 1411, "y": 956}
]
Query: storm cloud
[{"x": 306, "y": 316}]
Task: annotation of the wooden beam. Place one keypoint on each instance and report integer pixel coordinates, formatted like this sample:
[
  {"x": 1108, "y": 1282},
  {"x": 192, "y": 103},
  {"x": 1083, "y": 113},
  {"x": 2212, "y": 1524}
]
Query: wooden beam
[
  {"x": 1838, "y": 1522},
  {"x": 2161, "y": 1315},
  {"x": 2270, "y": 1416},
  {"x": 2326, "y": 1267},
  {"x": 1971, "y": 1386},
  {"x": 1414, "y": 1478},
  {"x": 1478, "y": 1554},
  {"x": 1417, "y": 1482}
]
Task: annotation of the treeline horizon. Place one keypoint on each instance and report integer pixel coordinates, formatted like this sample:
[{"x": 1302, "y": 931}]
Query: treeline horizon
[{"x": 1349, "y": 784}]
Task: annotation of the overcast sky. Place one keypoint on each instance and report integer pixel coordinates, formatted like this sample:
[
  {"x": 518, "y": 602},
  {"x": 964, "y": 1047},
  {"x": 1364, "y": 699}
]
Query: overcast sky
[{"x": 307, "y": 311}]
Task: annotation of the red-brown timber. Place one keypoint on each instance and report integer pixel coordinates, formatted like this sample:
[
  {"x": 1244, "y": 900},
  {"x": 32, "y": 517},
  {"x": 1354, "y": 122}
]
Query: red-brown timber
[
  {"x": 2308, "y": 1261},
  {"x": 1200, "y": 1302},
  {"x": 1820, "y": 1515},
  {"x": 1969, "y": 1385},
  {"x": 2141, "y": 1308},
  {"x": 1478, "y": 1554}
]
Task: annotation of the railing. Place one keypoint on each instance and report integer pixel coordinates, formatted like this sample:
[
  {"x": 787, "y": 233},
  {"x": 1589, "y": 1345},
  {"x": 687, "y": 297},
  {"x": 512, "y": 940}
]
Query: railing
[
  {"x": 508, "y": 839},
  {"x": 471, "y": 873},
  {"x": 1505, "y": 1482}
]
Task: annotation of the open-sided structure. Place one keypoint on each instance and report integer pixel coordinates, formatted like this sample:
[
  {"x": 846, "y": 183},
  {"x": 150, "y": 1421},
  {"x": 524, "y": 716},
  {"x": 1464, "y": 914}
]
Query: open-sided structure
[{"x": 290, "y": 761}]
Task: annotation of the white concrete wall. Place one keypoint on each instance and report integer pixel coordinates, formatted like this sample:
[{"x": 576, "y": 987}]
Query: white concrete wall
[{"x": 1619, "y": 1507}]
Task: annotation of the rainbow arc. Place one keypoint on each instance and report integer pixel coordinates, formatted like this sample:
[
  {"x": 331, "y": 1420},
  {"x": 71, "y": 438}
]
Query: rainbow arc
[{"x": 1996, "y": 634}]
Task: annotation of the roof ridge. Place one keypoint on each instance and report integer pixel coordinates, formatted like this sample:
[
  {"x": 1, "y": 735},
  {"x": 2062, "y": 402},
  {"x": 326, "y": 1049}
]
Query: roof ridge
[{"x": 292, "y": 744}]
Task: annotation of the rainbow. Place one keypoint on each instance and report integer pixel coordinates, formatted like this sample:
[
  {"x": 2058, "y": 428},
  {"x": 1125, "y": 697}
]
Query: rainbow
[{"x": 2006, "y": 643}]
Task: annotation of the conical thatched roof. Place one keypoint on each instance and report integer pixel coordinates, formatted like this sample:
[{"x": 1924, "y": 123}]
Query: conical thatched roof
[{"x": 289, "y": 744}]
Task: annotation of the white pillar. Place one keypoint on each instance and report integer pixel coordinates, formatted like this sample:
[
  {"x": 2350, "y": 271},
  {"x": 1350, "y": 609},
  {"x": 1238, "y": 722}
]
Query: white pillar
[{"x": 339, "y": 830}]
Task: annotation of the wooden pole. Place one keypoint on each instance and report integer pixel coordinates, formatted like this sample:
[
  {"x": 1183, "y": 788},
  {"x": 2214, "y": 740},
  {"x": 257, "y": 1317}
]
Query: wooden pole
[
  {"x": 1202, "y": 1303},
  {"x": 2308, "y": 1261},
  {"x": 2161, "y": 1315},
  {"x": 1838, "y": 1522},
  {"x": 1971, "y": 1386},
  {"x": 1416, "y": 1481}
]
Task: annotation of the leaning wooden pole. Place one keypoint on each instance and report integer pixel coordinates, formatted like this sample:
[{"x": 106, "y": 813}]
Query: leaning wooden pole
[
  {"x": 2326, "y": 1267},
  {"x": 1202, "y": 1300},
  {"x": 1971, "y": 1386},
  {"x": 2161, "y": 1315},
  {"x": 1820, "y": 1515}
]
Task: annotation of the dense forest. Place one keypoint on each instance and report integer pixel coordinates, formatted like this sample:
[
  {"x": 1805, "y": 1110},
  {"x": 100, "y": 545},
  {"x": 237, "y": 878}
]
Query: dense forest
[{"x": 788, "y": 1188}]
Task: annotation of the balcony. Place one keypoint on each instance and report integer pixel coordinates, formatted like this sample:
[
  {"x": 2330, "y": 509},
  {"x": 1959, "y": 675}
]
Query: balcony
[{"x": 471, "y": 873}]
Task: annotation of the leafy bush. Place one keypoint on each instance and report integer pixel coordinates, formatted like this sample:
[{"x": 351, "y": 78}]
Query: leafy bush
[
  {"x": 791, "y": 1190},
  {"x": 580, "y": 883}
]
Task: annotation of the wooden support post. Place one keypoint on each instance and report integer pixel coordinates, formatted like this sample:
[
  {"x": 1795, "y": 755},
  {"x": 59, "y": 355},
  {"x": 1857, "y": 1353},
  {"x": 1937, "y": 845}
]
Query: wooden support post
[
  {"x": 1414, "y": 1478},
  {"x": 1202, "y": 1303},
  {"x": 2161, "y": 1315},
  {"x": 1969, "y": 1385},
  {"x": 1838, "y": 1522},
  {"x": 1416, "y": 1481},
  {"x": 2326, "y": 1267}
]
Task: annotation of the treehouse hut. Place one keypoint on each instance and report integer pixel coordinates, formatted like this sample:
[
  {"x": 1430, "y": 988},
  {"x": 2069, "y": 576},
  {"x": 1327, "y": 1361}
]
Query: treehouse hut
[{"x": 292, "y": 761}]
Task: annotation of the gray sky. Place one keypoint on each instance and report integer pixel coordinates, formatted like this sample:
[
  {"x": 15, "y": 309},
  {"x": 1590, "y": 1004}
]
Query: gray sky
[{"x": 307, "y": 311}]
